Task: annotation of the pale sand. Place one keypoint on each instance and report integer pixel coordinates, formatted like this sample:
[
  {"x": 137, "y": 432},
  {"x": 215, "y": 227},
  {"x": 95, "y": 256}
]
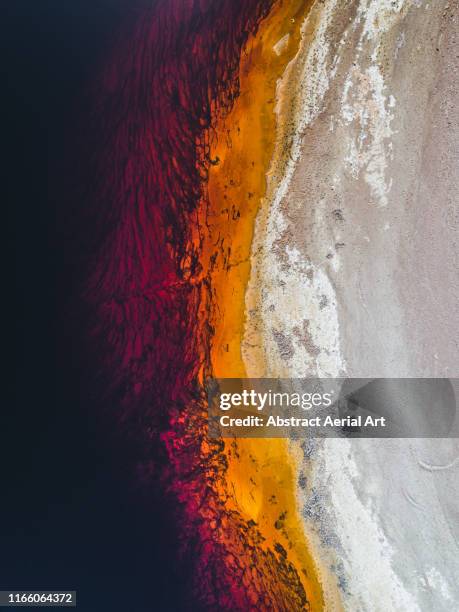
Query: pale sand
[{"x": 354, "y": 271}]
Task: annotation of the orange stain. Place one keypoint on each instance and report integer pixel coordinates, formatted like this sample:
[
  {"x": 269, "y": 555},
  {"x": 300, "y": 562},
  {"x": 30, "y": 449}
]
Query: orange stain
[{"x": 260, "y": 481}]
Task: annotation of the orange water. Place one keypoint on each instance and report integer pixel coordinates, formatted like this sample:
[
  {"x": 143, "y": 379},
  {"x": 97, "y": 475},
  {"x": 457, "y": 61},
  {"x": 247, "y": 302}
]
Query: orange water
[{"x": 261, "y": 474}]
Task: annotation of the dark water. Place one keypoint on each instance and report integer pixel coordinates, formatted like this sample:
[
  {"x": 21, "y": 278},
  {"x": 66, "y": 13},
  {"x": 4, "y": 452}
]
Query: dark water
[
  {"x": 108, "y": 104},
  {"x": 69, "y": 518}
]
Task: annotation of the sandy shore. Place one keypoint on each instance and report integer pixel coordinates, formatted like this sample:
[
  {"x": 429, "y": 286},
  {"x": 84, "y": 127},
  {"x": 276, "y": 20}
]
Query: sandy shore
[{"x": 354, "y": 272}]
